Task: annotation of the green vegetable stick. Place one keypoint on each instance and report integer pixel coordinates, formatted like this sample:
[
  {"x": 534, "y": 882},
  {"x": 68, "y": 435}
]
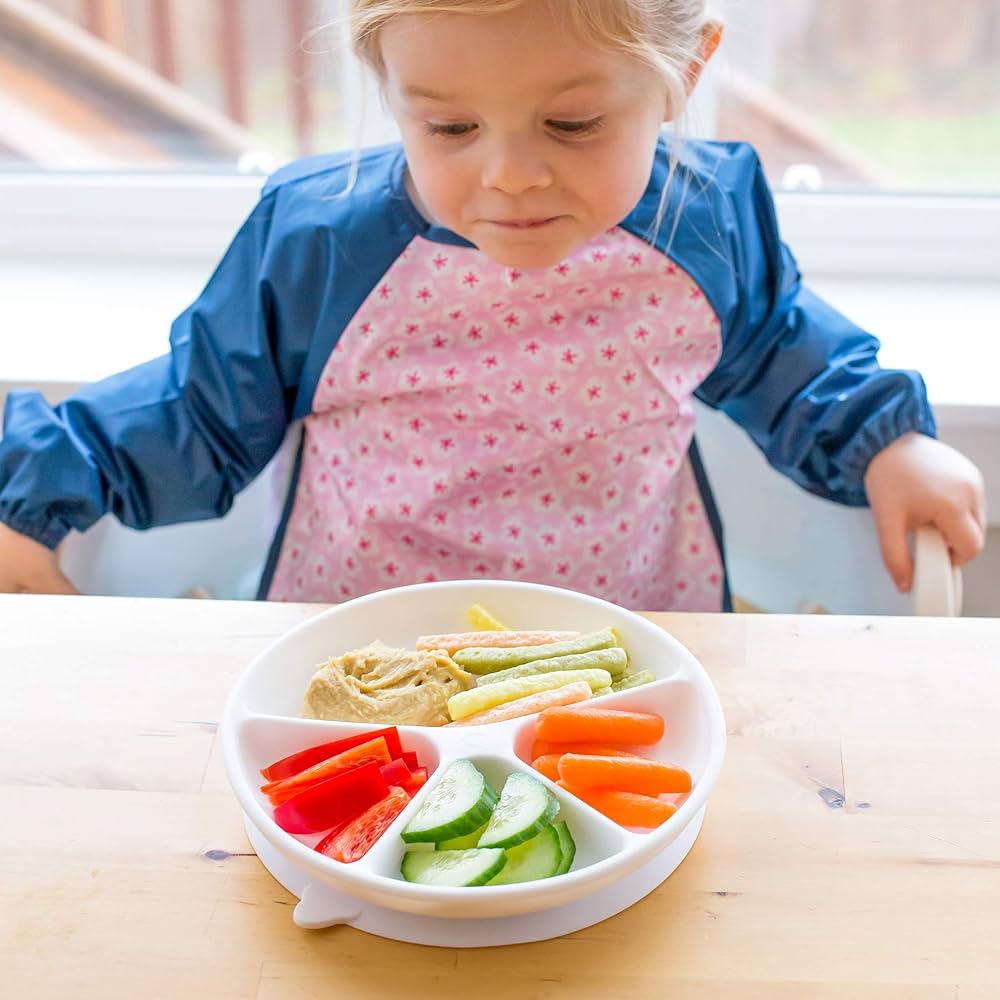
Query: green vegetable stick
[
  {"x": 487, "y": 660},
  {"x": 489, "y": 695},
  {"x": 633, "y": 680},
  {"x": 614, "y": 660}
]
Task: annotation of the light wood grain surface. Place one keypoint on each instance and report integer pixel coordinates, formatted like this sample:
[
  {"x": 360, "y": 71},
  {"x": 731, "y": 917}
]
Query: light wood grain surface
[{"x": 851, "y": 848}]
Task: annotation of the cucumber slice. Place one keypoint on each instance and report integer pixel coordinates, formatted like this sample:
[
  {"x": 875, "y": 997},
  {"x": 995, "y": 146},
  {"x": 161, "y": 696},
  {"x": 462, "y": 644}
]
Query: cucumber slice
[
  {"x": 525, "y": 807},
  {"x": 461, "y": 843},
  {"x": 540, "y": 857},
  {"x": 458, "y": 804},
  {"x": 453, "y": 868},
  {"x": 567, "y": 845}
]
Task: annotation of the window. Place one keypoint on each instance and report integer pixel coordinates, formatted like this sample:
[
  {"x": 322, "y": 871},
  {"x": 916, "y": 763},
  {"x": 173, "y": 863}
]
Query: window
[
  {"x": 880, "y": 118},
  {"x": 857, "y": 95},
  {"x": 153, "y": 85},
  {"x": 865, "y": 95}
]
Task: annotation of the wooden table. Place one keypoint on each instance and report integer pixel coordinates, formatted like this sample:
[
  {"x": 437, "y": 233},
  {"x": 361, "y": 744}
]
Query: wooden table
[{"x": 851, "y": 848}]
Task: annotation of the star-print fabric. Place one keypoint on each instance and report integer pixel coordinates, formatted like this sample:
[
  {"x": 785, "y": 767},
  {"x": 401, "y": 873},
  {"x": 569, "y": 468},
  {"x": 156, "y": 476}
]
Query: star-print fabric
[{"x": 476, "y": 421}]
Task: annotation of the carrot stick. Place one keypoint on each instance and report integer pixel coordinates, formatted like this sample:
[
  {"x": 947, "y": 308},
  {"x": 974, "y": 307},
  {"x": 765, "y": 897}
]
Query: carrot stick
[
  {"x": 547, "y": 764},
  {"x": 568, "y": 694},
  {"x": 625, "y": 808},
  {"x": 598, "y": 725},
  {"x": 626, "y": 774},
  {"x": 542, "y": 747},
  {"x": 453, "y": 641}
]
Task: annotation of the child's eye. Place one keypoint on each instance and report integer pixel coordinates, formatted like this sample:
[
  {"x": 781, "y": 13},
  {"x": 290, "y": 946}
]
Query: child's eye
[
  {"x": 576, "y": 128},
  {"x": 454, "y": 130}
]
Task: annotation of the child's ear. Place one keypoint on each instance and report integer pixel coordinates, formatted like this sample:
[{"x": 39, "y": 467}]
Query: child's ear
[{"x": 711, "y": 35}]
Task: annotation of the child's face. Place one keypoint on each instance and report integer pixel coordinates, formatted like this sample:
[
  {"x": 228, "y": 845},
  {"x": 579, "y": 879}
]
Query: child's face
[{"x": 519, "y": 137}]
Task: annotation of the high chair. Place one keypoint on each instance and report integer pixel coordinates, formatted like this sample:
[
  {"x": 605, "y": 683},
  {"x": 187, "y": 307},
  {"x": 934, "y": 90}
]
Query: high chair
[
  {"x": 787, "y": 551},
  {"x": 221, "y": 558}
]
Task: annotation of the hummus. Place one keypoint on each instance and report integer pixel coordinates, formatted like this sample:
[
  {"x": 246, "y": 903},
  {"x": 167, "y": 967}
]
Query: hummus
[{"x": 380, "y": 684}]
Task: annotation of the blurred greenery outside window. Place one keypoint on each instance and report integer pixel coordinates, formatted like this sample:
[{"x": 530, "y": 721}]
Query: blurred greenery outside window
[{"x": 845, "y": 96}]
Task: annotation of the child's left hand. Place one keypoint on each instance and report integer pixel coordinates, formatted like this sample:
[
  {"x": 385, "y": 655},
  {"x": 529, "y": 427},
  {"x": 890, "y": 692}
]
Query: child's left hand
[{"x": 917, "y": 481}]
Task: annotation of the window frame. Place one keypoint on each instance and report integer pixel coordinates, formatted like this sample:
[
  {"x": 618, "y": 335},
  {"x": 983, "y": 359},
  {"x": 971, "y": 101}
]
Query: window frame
[{"x": 110, "y": 215}]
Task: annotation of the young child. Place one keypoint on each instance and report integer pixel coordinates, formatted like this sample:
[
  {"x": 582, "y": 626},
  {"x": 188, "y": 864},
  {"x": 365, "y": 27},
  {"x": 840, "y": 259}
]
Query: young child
[{"x": 493, "y": 337}]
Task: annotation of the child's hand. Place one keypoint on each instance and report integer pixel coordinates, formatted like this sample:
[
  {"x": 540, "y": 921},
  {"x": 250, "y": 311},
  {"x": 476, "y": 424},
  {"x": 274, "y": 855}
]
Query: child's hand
[
  {"x": 28, "y": 566},
  {"x": 917, "y": 481}
]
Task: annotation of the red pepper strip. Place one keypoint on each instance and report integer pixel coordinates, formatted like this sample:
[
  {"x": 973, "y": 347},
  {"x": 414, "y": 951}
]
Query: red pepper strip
[
  {"x": 330, "y": 837},
  {"x": 288, "y": 766},
  {"x": 374, "y": 750},
  {"x": 411, "y": 760},
  {"x": 327, "y": 803},
  {"x": 355, "y": 839},
  {"x": 396, "y": 773},
  {"x": 417, "y": 778}
]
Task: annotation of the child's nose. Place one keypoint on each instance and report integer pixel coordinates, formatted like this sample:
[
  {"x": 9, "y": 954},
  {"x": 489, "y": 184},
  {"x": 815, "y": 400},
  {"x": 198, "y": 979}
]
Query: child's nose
[{"x": 514, "y": 166}]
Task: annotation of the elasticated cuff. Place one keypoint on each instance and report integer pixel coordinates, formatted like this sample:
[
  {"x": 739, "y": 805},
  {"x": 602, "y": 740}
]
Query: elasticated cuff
[
  {"x": 886, "y": 426},
  {"x": 49, "y": 534}
]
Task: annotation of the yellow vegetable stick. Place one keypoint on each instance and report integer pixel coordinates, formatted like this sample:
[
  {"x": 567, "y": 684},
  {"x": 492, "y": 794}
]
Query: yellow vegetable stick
[
  {"x": 479, "y": 618},
  {"x": 481, "y": 659},
  {"x": 568, "y": 694},
  {"x": 451, "y": 642},
  {"x": 489, "y": 695}
]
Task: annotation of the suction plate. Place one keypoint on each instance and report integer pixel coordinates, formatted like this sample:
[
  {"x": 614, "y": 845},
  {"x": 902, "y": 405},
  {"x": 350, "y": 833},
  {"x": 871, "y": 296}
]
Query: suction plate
[
  {"x": 613, "y": 867},
  {"x": 320, "y": 906}
]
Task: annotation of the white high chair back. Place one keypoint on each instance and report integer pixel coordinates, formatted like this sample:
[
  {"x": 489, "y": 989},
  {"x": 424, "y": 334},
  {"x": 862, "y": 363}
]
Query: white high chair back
[
  {"x": 221, "y": 558},
  {"x": 937, "y": 584},
  {"x": 788, "y": 550}
]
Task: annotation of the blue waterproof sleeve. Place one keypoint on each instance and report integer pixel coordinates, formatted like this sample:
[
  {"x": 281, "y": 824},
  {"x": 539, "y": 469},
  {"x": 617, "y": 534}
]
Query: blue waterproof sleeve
[
  {"x": 798, "y": 376},
  {"x": 173, "y": 439}
]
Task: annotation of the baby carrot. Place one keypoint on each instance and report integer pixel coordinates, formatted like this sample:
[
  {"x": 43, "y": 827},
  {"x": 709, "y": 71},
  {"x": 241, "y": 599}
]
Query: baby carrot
[
  {"x": 451, "y": 642},
  {"x": 626, "y": 774},
  {"x": 598, "y": 725},
  {"x": 626, "y": 808},
  {"x": 542, "y": 747},
  {"x": 547, "y": 764},
  {"x": 568, "y": 694}
]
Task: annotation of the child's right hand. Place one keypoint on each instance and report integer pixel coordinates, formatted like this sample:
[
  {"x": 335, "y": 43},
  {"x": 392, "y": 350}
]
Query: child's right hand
[
  {"x": 917, "y": 481},
  {"x": 27, "y": 566}
]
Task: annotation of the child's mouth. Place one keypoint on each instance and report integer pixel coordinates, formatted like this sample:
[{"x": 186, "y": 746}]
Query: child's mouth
[{"x": 523, "y": 223}]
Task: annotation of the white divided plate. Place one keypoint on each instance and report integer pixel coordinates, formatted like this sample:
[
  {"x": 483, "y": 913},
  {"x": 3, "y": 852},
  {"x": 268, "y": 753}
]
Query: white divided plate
[{"x": 260, "y": 725}]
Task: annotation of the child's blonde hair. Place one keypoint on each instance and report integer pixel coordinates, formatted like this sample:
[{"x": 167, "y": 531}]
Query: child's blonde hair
[{"x": 664, "y": 35}]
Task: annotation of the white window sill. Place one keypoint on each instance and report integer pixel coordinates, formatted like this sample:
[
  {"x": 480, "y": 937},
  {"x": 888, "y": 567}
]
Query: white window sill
[
  {"x": 945, "y": 329},
  {"x": 68, "y": 322}
]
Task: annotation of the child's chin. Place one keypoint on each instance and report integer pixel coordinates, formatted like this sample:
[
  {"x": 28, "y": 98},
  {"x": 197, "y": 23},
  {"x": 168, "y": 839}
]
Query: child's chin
[{"x": 528, "y": 258}]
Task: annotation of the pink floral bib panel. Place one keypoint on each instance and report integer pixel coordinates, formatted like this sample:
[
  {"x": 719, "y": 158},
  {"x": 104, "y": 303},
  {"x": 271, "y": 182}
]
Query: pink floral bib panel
[{"x": 475, "y": 421}]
